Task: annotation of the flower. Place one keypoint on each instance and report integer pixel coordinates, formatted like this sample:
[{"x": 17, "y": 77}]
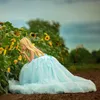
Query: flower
[
  {"x": 10, "y": 47},
  {"x": 5, "y": 51},
  {"x": 16, "y": 47},
  {"x": 47, "y": 37},
  {"x": 13, "y": 40},
  {"x": 1, "y": 50},
  {"x": 15, "y": 61},
  {"x": 33, "y": 35},
  {"x": 20, "y": 57},
  {"x": 17, "y": 33},
  {"x": 12, "y": 43},
  {"x": 50, "y": 43},
  {"x": 57, "y": 43},
  {"x": 8, "y": 69}
]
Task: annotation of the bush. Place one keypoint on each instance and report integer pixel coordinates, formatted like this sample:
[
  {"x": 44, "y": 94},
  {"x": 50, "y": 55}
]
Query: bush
[{"x": 80, "y": 55}]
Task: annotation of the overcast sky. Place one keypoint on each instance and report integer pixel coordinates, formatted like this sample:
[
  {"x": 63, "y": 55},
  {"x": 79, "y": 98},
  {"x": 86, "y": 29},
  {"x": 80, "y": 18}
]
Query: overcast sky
[{"x": 79, "y": 19}]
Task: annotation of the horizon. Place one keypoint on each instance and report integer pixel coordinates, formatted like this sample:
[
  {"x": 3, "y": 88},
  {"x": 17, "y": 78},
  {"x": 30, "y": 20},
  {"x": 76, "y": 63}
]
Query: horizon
[{"x": 80, "y": 21}]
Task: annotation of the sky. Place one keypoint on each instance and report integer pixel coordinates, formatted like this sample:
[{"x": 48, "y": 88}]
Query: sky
[{"x": 79, "y": 19}]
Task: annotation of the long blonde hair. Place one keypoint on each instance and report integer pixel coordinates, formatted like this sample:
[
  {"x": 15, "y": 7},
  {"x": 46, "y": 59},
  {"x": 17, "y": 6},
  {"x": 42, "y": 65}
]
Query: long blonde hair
[{"x": 25, "y": 41}]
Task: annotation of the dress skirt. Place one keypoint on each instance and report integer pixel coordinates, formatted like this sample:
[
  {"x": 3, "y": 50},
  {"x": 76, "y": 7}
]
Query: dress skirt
[{"x": 46, "y": 74}]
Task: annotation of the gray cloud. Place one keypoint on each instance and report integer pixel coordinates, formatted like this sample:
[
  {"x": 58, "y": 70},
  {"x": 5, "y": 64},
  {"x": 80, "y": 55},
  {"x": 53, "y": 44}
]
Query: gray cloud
[
  {"x": 52, "y": 1},
  {"x": 82, "y": 28},
  {"x": 75, "y": 1},
  {"x": 66, "y": 1},
  {"x": 4, "y": 1},
  {"x": 81, "y": 33}
]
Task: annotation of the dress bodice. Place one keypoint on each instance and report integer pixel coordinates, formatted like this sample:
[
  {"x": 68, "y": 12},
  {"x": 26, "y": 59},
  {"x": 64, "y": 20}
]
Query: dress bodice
[{"x": 35, "y": 56}]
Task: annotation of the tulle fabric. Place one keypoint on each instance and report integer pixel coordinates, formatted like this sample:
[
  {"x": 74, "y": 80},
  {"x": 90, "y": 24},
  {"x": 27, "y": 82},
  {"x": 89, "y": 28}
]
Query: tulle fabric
[{"x": 46, "y": 74}]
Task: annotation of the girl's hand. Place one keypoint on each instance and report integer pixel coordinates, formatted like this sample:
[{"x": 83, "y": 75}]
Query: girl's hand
[{"x": 22, "y": 52}]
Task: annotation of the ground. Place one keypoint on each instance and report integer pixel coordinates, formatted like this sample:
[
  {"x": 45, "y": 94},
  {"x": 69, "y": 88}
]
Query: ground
[{"x": 93, "y": 75}]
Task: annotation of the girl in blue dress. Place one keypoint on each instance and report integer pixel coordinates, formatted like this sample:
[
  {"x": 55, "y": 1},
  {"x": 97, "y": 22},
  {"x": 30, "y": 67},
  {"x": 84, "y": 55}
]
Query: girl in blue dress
[{"x": 43, "y": 73}]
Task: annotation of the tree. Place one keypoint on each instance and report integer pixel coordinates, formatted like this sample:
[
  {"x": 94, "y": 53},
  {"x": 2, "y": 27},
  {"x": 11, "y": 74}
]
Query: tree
[
  {"x": 96, "y": 56},
  {"x": 80, "y": 55}
]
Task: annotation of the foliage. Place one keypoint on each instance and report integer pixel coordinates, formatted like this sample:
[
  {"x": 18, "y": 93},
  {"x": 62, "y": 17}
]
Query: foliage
[
  {"x": 10, "y": 59},
  {"x": 84, "y": 67},
  {"x": 80, "y": 55},
  {"x": 96, "y": 56}
]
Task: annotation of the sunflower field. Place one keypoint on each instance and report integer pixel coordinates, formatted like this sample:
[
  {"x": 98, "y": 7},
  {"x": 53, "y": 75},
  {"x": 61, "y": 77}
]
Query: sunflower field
[
  {"x": 11, "y": 60},
  {"x": 43, "y": 35}
]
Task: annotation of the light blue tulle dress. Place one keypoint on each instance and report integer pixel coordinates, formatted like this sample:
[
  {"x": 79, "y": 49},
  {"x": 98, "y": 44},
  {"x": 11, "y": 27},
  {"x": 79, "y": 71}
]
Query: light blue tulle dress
[{"x": 45, "y": 74}]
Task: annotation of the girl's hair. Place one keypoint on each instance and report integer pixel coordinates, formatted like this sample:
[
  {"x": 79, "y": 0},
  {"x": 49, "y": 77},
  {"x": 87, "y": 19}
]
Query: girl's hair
[{"x": 25, "y": 41}]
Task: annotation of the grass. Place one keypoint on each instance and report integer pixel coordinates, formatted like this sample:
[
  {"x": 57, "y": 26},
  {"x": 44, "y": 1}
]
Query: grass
[{"x": 84, "y": 67}]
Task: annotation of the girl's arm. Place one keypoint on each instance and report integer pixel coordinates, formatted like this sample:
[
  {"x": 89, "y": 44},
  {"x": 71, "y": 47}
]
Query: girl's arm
[
  {"x": 25, "y": 55},
  {"x": 31, "y": 55}
]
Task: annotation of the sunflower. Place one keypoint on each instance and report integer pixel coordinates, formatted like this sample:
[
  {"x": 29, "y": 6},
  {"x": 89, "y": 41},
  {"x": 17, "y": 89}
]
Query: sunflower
[
  {"x": 20, "y": 57},
  {"x": 13, "y": 40},
  {"x": 1, "y": 50},
  {"x": 33, "y": 35},
  {"x": 12, "y": 43},
  {"x": 16, "y": 47},
  {"x": 47, "y": 37},
  {"x": 17, "y": 33},
  {"x": 4, "y": 51},
  {"x": 15, "y": 61},
  {"x": 10, "y": 47},
  {"x": 58, "y": 43},
  {"x": 8, "y": 69}
]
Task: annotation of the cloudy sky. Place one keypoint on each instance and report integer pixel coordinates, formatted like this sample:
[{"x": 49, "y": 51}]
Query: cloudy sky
[{"x": 79, "y": 19}]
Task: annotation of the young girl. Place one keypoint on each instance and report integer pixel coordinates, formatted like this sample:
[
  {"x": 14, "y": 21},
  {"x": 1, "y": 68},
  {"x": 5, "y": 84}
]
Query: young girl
[{"x": 43, "y": 73}]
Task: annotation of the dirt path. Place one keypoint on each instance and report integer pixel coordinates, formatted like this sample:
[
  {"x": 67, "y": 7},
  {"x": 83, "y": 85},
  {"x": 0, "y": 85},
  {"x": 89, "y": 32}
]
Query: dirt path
[{"x": 93, "y": 75}]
